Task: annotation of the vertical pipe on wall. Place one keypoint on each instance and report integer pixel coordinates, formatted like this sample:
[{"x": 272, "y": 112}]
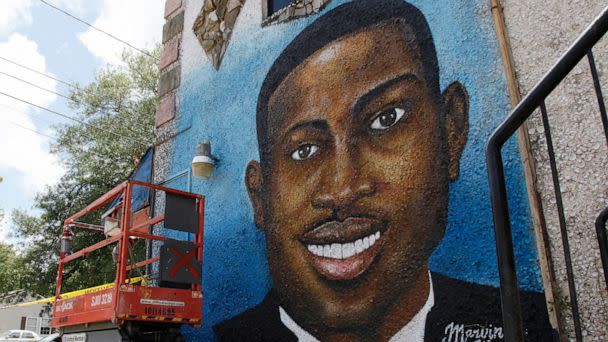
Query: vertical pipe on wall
[{"x": 536, "y": 208}]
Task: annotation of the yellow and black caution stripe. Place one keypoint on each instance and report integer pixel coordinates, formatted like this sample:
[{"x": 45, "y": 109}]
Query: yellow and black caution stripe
[
  {"x": 168, "y": 319},
  {"x": 76, "y": 293}
]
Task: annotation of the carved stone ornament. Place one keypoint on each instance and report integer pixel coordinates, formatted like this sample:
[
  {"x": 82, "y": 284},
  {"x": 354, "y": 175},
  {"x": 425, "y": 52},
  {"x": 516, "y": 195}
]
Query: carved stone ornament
[{"x": 213, "y": 27}]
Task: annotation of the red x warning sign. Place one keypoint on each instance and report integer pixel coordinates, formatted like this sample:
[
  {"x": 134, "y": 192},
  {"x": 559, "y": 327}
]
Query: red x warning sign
[{"x": 178, "y": 262}]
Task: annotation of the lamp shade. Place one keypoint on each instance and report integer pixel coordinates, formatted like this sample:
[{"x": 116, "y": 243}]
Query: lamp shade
[{"x": 203, "y": 162}]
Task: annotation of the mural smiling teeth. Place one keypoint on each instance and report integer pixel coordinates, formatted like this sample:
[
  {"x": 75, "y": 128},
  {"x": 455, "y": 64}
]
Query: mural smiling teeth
[{"x": 344, "y": 250}]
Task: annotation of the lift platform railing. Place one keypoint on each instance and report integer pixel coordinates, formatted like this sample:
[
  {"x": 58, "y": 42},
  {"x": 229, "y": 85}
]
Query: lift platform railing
[
  {"x": 582, "y": 48},
  {"x": 129, "y": 229}
]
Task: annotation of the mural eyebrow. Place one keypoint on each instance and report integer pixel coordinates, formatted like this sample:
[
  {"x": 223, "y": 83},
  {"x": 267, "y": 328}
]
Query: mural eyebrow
[
  {"x": 314, "y": 124},
  {"x": 382, "y": 87}
]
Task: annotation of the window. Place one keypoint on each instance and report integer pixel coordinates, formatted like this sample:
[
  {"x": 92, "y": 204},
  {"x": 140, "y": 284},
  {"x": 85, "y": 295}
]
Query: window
[
  {"x": 27, "y": 334},
  {"x": 45, "y": 328},
  {"x": 31, "y": 324},
  {"x": 14, "y": 335},
  {"x": 278, "y": 11},
  {"x": 275, "y": 5}
]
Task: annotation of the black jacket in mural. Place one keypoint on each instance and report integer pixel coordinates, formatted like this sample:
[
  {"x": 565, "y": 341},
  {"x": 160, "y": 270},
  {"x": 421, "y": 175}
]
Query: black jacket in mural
[{"x": 462, "y": 312}]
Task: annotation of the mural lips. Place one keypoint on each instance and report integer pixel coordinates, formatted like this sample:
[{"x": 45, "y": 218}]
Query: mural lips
[{"x": 343, "y": 250}]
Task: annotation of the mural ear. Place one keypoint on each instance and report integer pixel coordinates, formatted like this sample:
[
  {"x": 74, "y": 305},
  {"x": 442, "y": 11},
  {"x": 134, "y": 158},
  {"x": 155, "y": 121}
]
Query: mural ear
[
  {"x": 456, "y": 111},
  {"x": 253, "y": 181}
]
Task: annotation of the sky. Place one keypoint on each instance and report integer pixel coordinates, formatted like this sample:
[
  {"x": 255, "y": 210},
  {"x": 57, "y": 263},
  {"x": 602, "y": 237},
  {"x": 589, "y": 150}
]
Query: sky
[{"x": 46, "y": 40}]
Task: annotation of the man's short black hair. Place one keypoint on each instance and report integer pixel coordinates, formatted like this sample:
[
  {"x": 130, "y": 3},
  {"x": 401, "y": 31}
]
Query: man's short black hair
[{"x": 343, "y": 20}]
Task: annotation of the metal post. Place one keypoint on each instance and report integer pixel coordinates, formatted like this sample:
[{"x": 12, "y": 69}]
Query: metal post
[
  {"x": 600, "y": 229},
  {"x": 509, "y": 288}
]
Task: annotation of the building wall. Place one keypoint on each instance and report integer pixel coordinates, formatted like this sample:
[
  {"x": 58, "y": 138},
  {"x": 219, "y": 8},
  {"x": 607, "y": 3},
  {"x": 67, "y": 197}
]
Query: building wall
[
  {"x": 248, "y": 253},
  {"x": 10, "y": 317},
  {"x": 539, "y": 33}
]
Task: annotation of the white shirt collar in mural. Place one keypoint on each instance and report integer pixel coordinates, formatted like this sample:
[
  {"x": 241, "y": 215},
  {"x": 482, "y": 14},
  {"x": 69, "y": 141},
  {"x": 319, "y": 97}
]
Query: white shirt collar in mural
[
  {"x": 301, "y": 334},
  {"x": 412, "y": 331}
]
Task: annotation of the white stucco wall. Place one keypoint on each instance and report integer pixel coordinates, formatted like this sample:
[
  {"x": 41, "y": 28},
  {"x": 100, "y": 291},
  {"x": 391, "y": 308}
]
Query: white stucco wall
[{"x": 540, "y": 32}]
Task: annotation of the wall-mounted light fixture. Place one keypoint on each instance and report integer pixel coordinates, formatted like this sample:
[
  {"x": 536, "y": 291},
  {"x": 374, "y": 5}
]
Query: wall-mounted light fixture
[{"x": 204, "y": 161}]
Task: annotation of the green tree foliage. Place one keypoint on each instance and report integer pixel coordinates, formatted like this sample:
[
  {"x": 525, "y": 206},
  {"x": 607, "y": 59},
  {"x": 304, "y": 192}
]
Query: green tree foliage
[
  {"x": 1, "y": 211},
  {"x": 117, "y": 111},
  {"x": 11, "y": 269}
]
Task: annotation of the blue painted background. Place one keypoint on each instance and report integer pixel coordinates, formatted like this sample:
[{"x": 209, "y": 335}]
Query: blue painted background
[{"x": 220, "y": 106}]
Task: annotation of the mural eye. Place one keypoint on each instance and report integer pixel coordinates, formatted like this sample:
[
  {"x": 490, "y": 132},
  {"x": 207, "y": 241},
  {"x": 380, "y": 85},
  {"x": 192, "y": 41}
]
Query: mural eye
[
  {"x": 304, "y": 152},
  {"x": 386, "y": 119}
]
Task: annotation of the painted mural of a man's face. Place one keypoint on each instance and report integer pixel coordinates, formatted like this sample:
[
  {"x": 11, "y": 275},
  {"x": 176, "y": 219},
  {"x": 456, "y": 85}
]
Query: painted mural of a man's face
[{"x": 358, "y": 147}]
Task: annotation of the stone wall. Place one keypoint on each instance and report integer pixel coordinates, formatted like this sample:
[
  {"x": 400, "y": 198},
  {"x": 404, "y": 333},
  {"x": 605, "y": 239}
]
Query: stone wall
[
  {"x": 166, "y": 111},
  {"x": 539, "y": 33}
]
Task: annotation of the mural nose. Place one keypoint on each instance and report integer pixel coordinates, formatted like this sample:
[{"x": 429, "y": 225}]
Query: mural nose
[{"x": 347, "y": 186}]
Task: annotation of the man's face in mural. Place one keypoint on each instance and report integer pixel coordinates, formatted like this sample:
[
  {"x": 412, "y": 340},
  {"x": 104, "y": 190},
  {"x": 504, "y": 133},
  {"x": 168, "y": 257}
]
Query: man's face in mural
[{"x": 353, "y": 196}]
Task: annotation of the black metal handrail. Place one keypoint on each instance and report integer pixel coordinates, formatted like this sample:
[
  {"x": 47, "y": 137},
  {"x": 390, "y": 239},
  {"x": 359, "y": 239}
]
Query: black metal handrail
[
  {"x": 511, "y": 310},
  {"x": 600, "y": 230}
]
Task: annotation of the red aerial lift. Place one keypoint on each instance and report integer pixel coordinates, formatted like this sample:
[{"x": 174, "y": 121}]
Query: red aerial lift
[{"x": 142, "y": 310}]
